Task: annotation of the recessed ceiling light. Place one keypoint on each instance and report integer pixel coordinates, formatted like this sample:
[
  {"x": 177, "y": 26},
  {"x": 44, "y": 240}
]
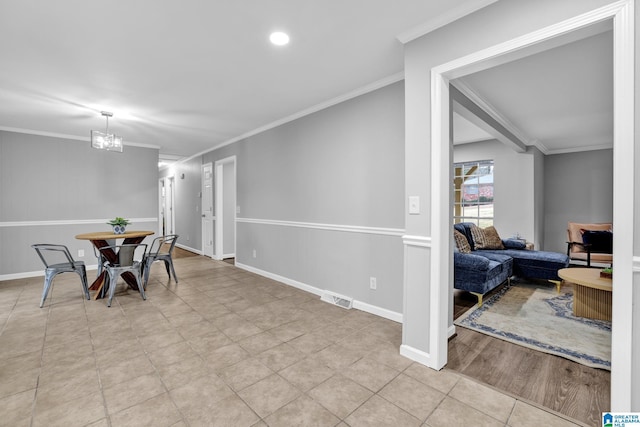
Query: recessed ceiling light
[{"x": 279, "y": 38}]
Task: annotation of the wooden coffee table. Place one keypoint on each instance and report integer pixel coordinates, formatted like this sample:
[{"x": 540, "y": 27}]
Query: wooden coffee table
[{"x": 591, "y": 293}]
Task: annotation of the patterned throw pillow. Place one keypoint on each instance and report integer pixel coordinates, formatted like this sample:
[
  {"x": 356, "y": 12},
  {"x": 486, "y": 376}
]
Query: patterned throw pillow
[
  {"x": 461, "y": 242},
  {"x": 486, "y": 238}
]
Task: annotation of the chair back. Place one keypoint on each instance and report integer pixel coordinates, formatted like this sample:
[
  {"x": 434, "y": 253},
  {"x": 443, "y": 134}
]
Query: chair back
[
  {"x": 125, "y": 253},
  {"x": 575, "y": 231},
  {"x": 53, "y": 255},
  {"x": 163, "y": 244}
]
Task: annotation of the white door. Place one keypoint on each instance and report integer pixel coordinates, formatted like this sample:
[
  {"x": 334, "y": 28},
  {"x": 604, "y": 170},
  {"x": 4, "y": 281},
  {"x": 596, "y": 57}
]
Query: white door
[
  {"x": 225, "y": 208},
  {"x": 168, "y": 206},
  {"x": 207, "y": 210}
]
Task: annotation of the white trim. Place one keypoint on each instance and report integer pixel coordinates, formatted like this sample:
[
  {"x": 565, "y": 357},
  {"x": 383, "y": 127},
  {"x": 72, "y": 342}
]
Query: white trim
[
  {"x": 418, "y": 241},
  {"x": 69, "y": 222},
  {"x": 72, "y": 137},
  {"x": 446, "y": 18},
  {"x": 386, "y": 81},
  {"x": 38, "y": 273},
  {"x": 218, "y": 182},
  {"x": 622, "y": 13},
  {"x": 451, "y": 331},
  {"x": 416, "y": 355},
  {"x": 622, "y": 333},
  {"x": 378, "y": 311},
  {"x": 329, "y": 227},
  {"x": 607, "y": 146},
  {"x": 189, "y": 248},
  {"x": 522, "y": 140}
]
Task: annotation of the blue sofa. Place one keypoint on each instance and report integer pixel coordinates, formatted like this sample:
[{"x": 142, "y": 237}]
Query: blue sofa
[{"x": 482, "y": 270}]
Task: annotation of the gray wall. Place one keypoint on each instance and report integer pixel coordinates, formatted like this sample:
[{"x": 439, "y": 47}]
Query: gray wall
[
  {"x": 340, "y": 166},
  {"x": 578, "y": 188},
  {"x": 52, "y": 189}
]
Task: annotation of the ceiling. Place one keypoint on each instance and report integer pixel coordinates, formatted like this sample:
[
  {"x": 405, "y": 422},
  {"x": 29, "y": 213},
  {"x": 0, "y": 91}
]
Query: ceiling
[
  {"x": 560, "y": 100},
  {"x": 189, "y": 76}
]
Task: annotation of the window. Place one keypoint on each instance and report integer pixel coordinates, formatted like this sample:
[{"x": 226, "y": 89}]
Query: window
[{"x": 473, "y": 192}]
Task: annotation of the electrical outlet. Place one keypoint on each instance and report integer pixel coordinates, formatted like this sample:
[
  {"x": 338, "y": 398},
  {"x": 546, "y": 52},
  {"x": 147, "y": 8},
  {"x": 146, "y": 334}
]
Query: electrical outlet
[
  {"x": 254, "y": 253},
  {"x": 373, "y": 283},
  {"x": 80, "y": 253}
]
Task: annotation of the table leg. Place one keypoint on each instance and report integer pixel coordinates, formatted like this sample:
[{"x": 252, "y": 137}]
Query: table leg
[{"x": 98, "y": 285}]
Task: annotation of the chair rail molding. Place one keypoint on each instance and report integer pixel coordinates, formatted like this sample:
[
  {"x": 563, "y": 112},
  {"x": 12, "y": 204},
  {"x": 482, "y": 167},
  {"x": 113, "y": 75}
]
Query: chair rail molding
[
  {"x": 329, "y": 227},
  {"x": 69, "y": 222}
]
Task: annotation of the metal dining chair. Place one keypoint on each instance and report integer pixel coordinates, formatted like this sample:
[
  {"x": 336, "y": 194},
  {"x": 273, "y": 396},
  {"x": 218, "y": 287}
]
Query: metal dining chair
[
  {"x": 125, "y": 262},
  {"x": 57, "y": 259},
  {"x": 161, "y": 249}
]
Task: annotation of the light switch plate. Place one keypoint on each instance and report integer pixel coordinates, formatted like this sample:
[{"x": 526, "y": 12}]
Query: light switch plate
[{"x": 414, "y": 205}]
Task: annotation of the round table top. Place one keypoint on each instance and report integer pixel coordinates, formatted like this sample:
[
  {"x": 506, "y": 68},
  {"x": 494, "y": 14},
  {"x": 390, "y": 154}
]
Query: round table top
[
  {"x": 589, "y": 277},
  {"x": 108, "y": 235}
]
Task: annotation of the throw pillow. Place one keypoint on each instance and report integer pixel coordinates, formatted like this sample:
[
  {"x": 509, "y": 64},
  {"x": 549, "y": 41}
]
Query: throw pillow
[
  {"x": 486, "y": 238},
  {"x": 461, "y": 242},
  {"x": 601, "y": 241}
]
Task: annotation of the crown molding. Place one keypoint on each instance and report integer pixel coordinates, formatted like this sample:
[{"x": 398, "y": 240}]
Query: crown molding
[
  {"x": 522, "y": 140},
  {"x": 440, "y": 21},
  {"x": 72, "y": 137},
  {"x": 394, "y": 78}
]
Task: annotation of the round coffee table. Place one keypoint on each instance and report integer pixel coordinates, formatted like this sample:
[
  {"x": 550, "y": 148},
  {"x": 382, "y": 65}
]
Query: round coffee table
[{"x": 591, "y": 293}]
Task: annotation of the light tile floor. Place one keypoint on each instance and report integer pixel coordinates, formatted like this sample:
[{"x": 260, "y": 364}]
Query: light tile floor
[{"x": 224, "y": 347}]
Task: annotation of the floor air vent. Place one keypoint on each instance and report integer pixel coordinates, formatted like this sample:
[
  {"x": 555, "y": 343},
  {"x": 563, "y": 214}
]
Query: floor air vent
[{"x": 336, "y": 299}]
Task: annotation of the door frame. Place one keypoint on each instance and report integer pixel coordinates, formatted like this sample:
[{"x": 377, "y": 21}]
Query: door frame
[
  {"x": 219, "y": 204},
  {"x": 166, "y": 182},
  {"x": 213, "y": 217},
  {"x": 622, "y": 15}
]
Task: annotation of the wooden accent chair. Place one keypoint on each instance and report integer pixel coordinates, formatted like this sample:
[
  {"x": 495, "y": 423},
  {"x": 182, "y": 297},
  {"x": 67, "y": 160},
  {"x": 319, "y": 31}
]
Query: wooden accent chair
[{"x": 590, "y": 242}]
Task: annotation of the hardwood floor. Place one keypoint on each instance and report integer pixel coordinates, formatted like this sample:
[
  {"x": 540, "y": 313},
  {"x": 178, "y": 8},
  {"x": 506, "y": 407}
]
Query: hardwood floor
[{"x": 569, "y": 388}]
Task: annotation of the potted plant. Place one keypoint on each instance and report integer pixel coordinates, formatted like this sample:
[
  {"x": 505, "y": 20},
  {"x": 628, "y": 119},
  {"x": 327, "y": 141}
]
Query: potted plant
[
  {"x": 607, "y": 273},
  {"x": 119, "y": 224}
]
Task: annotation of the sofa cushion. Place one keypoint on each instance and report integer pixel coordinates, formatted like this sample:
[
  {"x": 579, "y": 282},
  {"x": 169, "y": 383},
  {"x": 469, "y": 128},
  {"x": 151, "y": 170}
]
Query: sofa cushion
[
  {"x": 461, "y": 242},
  {"x": 486, "y": 238},
  {"x": 534, "y": 264},
  {"x": 601, "y": 241},
  {"x": 514, "y": 244},
  {"x": 464, "y": 228}
]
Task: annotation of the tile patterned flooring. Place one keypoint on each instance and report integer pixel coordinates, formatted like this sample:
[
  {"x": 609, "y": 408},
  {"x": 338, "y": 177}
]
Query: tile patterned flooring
[{"x": 223, "y": 347}]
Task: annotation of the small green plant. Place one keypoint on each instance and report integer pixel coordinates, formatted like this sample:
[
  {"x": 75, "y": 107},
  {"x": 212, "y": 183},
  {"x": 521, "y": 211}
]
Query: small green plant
[
  {"x": 119, "y": 221},
  {"x": 607, "y": 270}
]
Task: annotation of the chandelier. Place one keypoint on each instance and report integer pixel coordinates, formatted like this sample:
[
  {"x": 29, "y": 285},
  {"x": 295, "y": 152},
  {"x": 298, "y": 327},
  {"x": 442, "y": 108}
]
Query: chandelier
[{"x": 106, "y": 141}]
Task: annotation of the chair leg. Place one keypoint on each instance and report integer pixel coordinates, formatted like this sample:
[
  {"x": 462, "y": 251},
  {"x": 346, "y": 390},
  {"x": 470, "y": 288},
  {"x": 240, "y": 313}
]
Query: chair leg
[
  {"x": 85, "y": 286},
  {"x": 173, "y": 270},
  {"x": 48, "y": 280},
  {"x": 140, "y": 284},
  {"x": 113, "y": 279},
  {"x": 146, "y": 267},
  {"x": 168, "y": 263}
]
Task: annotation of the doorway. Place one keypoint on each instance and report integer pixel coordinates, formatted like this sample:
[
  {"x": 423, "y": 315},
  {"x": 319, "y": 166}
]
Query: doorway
[
  {"x": 225, "y": 208},
  {"x": 166, "y": 205},
  {"x": 207, "y": 210},
  {"x": 622, "y": 15}
]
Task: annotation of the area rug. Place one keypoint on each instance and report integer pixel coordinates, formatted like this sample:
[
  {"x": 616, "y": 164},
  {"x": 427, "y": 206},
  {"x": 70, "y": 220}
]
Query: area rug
[{"x": 534, "y": 315}]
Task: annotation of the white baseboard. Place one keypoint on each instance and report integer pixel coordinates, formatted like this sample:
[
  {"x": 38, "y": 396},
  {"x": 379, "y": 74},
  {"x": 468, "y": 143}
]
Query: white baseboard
[
  {"x": 38, "y": 273},
  {"x": 285, "y": 280},
  {"x": 378, "y": 311},
  {"x": 372, "y": 309},
  {"x": 416, "y": 355},
  {"x": 187, "y": 248}
]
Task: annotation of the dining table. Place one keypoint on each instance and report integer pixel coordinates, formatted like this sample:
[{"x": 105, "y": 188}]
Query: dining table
[{"x": 101, "y": 239}]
